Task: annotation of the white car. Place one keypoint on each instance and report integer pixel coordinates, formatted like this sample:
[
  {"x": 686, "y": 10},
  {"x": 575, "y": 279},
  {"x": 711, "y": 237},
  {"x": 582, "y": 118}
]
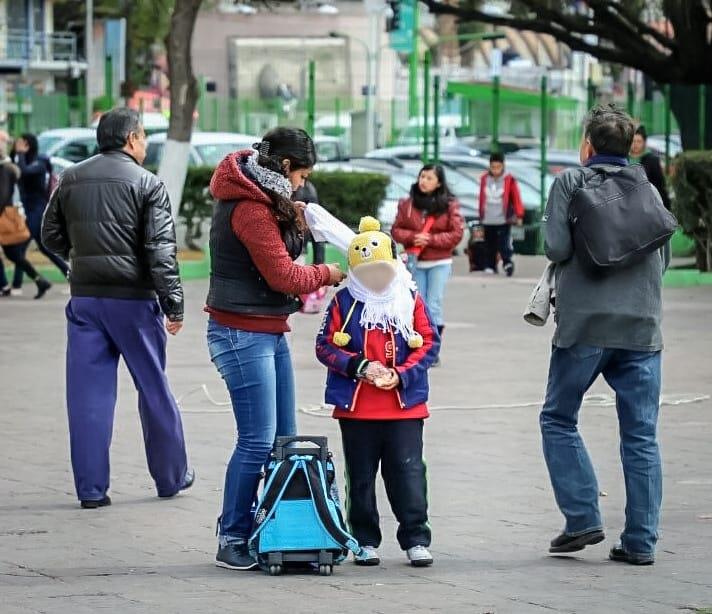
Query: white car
[
  {"x": 72, "y": 144},
  {"x": 206, "y": 148}
]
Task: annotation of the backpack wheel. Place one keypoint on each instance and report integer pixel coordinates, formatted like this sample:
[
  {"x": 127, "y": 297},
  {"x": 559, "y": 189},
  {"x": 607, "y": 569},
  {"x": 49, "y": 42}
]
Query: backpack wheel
[
  {"x": 326, "y": 570},
  {"x": 275, "y": 570}
]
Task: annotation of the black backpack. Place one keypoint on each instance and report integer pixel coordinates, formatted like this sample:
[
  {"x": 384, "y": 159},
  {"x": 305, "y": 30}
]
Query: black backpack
[{"x": 616, "y": 218}]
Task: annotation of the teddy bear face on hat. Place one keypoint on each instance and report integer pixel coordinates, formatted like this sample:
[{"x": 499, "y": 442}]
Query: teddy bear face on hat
[{"x": 372, "y": 256}]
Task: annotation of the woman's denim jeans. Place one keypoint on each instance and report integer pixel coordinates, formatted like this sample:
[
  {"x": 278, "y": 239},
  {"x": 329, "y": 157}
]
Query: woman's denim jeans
[
  {"x": 635, "y": 378},
  {"x": 257, "y": 370},
  {"x": 431, "y": 284}
]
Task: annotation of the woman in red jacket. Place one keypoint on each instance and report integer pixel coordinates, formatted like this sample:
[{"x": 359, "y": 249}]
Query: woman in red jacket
[
  {"x": 256, "y": 235},
  {"x": 429, "y": 226}
]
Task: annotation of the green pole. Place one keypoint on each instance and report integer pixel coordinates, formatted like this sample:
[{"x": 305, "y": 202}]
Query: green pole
[
  {"x": 337, "y": 113},
  {"x": 394, "y": 132},
  {"x": 667, "y": 127},
  {"x": 701, "y": 103},
  {"x": 201, "y": 103},
  {"x": 544, "y": 134},
  {"x": 413, "y": 66},
  {"x": 20, "y": 123},
  {"x": 436, "y": 118},
  {"x": 426, "y": 103},
  {"x": 109, "y": 79},
  {"x": 83, "y": 100},
  {"x": 311, "y": 98},
  {"x": 630, "y": 100},
  {"x": 495, "y": 113}
]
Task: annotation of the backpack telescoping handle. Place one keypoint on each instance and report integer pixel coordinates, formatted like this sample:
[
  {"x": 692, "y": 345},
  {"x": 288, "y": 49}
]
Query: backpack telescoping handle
[{"x": 283, "y": 448}]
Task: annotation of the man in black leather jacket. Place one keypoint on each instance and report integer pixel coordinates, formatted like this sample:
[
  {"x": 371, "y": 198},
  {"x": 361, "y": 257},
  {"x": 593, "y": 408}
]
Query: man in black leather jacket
[{"x": 112, "y": 220}]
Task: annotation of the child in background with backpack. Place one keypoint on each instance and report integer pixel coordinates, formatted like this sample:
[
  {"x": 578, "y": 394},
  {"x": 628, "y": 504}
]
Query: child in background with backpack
[{"x": 378, "y": 342}]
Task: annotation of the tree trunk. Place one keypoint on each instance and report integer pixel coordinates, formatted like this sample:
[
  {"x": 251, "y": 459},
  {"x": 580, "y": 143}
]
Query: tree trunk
[
  {"x": 684, "y": 102},
  {"x": 184, "y": 96}
]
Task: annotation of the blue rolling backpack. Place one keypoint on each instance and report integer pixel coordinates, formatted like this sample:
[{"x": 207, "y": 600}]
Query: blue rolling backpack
[{"x": 298, "y": 520}]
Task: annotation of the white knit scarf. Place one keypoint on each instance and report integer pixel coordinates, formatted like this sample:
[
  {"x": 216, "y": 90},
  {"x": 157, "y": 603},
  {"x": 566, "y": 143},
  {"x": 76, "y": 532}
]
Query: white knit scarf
[
  {"x": 266, "y": 178},
  {"x": 391, "y": 309}
]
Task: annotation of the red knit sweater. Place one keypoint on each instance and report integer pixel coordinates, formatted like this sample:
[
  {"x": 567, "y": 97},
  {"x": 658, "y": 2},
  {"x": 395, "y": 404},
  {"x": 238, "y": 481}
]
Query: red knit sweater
[{"x": 255, "y": 225}]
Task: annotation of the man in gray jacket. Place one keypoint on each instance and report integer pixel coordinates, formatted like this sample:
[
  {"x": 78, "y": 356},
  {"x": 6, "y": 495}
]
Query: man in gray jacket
[{"x": 608, "y": 324}]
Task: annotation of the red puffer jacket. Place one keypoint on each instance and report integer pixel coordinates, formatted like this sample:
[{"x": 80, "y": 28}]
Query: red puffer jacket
[{"x": 445, "y": 233}]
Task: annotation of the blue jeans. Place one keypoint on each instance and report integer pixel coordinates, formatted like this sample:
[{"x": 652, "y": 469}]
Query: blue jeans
[
  {"x": 431, "y": 285},
  {"x": 257, "y": 370},
  {"x": 635, "y": 378}
]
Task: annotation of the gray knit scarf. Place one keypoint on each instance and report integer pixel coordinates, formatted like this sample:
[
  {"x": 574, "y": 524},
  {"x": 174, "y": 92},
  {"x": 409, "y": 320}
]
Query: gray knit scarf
[{"x": 276, "y": 182}]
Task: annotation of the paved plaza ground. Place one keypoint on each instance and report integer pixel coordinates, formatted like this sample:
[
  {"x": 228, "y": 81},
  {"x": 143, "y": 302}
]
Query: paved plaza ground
[{"x": 492, "y": 509}]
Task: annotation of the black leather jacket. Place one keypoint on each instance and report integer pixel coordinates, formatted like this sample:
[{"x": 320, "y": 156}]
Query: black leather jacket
[{"x": 112, "y": 219}]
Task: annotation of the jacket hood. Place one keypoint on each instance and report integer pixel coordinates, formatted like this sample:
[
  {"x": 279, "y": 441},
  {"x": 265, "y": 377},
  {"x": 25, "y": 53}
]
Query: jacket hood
[{"x": 230, "y": 183}]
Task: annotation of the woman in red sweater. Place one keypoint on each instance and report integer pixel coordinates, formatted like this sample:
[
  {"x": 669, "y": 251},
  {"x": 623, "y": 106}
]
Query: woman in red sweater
[
  {"x": 429, "y": 226},
  {"x": 256, "y": 235}
]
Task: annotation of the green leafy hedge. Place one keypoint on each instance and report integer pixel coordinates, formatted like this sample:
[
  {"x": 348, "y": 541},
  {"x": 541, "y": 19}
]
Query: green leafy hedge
[
  {"x": 349, "y": 196},
  {"x": 692, "y": 180}
]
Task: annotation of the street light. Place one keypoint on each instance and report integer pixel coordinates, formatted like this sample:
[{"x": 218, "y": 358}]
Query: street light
[{"x": 370, "y": 88}]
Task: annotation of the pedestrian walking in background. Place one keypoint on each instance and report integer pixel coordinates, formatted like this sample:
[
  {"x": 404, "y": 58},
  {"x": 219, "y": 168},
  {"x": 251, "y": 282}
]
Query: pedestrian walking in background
[
  {"x": 500, "y": 208},
  {"x": 34, "y": 184},
  {"x": 640, "y": 154},
  {"x": 14, "y": 234},
  {"x": 429, "y": 225},
  {"x": 112, "y": 219},
  {"x": 607, "y": 323},
  {"x": 256, "y": 235}
]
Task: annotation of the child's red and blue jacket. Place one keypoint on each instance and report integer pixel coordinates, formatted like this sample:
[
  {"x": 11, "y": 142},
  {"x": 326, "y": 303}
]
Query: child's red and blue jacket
[{"x": 353, "y": 397}]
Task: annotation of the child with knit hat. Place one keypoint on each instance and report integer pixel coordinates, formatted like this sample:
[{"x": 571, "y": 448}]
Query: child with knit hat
[{"x": 378, "y": 342}]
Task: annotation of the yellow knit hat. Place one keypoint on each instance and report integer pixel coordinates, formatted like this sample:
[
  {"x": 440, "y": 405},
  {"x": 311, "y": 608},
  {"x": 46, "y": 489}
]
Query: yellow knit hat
[{"x": 370, "y": 245}]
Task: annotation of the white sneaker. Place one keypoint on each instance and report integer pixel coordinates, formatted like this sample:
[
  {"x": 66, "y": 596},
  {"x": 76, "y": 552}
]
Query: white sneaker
[
  {"x": 419, "y": 556},
  {"x": 367, "y": 557},
  {"x": 489, "y": 271},
  {"x": 16, "y": 292}
]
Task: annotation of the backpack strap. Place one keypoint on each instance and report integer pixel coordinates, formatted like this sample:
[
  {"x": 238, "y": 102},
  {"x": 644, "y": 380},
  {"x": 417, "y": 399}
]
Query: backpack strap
[
  {"x": 273, "y": 493},
  {"x": 316, "y": 480}
]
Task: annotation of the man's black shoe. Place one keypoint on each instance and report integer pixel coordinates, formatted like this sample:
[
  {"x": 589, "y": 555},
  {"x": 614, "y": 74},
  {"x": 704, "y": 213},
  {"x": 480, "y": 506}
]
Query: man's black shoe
[
  {"x": 92, "y": 504},
  {"x": 621, "y": 556},
  {"x": 235, "y": 556},
  {"x": 573, "y": 543},
  {"x": 187, "y": 483}
]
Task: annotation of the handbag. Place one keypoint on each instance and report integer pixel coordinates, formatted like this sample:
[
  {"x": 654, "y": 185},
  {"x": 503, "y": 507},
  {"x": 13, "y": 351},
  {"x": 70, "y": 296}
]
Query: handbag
[{"x": 13, "y": 228}]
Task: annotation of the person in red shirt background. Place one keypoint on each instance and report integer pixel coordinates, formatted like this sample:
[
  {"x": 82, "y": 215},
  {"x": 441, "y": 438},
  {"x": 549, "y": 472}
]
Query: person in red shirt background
[
  {"x": 256, "y": 235},
  {"x": 500, "y": 208},
  {"x": 378, "y": 342}
]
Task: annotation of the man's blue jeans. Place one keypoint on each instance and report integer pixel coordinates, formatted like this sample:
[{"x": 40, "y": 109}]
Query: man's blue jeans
[
  {"x": 635, "y": 378},
  {"x": 257, "y": 370}
]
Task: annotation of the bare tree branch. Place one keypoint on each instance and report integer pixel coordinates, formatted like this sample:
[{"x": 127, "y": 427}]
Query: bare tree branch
[{"x": 645, "y": 57}]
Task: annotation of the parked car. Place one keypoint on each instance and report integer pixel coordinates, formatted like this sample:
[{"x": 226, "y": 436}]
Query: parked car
[
  {"x": 656, "y": 144},
  {"x": 557, "y": 160},
  {"x": 72, "y": 144},
  {"x": 206, "y": 148},
  {"x": 447, "y": 128},
  {"x": 152, "y": 122},
  {"x": 329, "y": 148},
  {"x": 472, "y": 164}
]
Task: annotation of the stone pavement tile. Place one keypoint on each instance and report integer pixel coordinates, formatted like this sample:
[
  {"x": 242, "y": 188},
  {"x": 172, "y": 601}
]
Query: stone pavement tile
[{"x": 492, "y": 510}]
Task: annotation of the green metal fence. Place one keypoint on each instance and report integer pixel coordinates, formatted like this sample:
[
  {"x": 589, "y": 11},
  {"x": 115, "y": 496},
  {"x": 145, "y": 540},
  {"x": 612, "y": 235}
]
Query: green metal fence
[{"x": 492, "y": 110}]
